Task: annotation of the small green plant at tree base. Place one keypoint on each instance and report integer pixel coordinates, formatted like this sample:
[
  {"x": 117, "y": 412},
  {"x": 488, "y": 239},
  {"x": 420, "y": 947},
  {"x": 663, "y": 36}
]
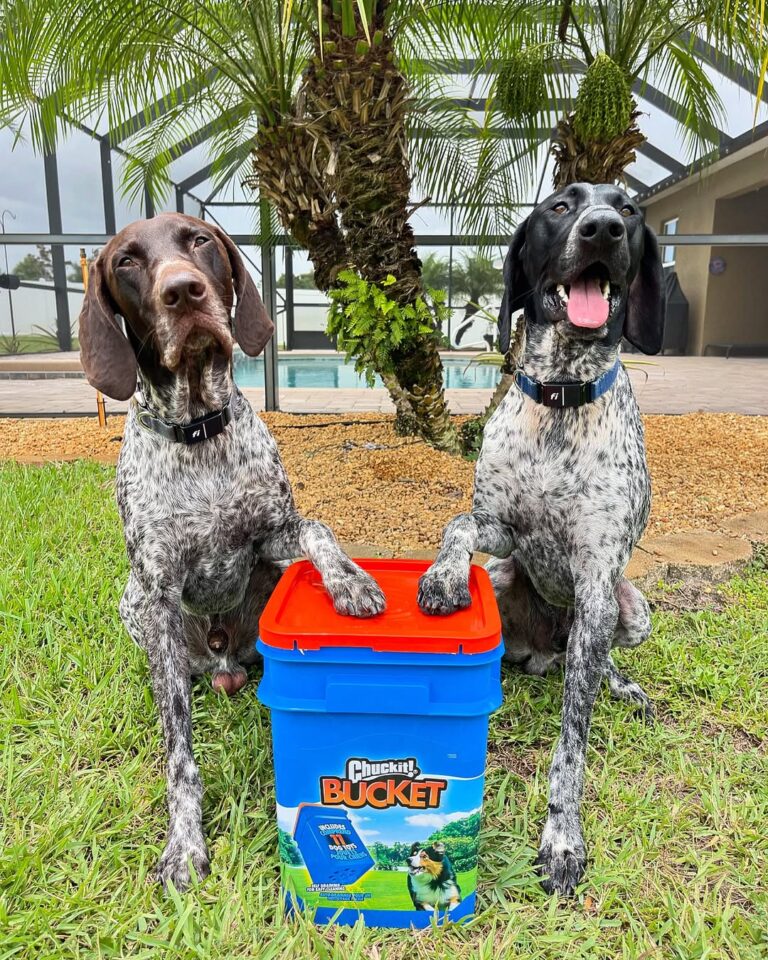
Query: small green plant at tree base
[
  {"x": 371, "y": 327},
  {"x": 471, "y": 433}
]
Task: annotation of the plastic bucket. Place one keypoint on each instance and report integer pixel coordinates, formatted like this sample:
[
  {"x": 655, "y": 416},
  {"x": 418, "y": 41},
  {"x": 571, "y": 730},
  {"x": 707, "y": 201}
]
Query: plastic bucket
[{"x": 379, "y": 732}]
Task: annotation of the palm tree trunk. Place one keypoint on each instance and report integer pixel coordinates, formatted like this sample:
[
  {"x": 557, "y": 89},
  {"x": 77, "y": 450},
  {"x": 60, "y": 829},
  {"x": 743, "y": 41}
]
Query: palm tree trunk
[
  {"x": 287, "y": 174},
  {"x": 419, "y": 365},
  {"x": 337, "y": 171},
  {"x": 406, "y": 424},
  {"x": 360, "y": 103}
]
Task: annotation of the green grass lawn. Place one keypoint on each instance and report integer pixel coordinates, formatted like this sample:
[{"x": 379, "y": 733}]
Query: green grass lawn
[{"x": 676, "y": 816}]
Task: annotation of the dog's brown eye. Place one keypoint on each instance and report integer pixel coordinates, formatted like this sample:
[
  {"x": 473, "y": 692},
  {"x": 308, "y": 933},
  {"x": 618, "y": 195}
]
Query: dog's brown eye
[
  {"x": 626, "y": 210},
  {"x": 560, "y": 208},
  {"x": 125, "y": 262},
  {"x": 199, "y": 241}
]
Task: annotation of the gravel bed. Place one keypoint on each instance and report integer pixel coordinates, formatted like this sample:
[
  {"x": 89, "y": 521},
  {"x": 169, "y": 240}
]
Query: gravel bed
[{"x": 374, "y": 487}]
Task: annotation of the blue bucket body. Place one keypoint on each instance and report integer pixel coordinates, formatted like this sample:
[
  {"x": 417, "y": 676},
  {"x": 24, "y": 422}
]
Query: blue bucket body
[{"x": 379, "y": 772}]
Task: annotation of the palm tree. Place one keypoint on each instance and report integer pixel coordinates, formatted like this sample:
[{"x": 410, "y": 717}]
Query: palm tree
[
  {"x": 352, "y": 113},
  {"x": 311, "y": 102},
  {"x": 477, "y": 277},
  {"x": 617, "y": 48},
  {"x": 435, "y": 272},
  {"x": 474, "y": 275}
]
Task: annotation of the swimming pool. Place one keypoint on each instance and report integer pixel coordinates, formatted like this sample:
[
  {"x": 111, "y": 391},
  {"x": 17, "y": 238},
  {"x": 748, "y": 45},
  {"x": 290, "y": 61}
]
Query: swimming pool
[{"x": 331, "y": 371}]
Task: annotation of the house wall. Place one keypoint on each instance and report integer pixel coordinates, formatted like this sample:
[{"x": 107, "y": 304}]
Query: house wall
[
  {"x": 737, "y": 300},
  {"x": 706, "y": 203}
]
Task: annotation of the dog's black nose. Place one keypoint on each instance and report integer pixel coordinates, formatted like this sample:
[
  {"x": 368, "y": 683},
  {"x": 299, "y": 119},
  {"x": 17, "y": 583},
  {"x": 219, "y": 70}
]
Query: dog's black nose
[
  {"x": 603, "y": 228},
  {"x": 183, "y": 289}
]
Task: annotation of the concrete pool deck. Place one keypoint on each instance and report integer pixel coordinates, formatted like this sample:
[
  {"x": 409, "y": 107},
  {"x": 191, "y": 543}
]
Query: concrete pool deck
[{"x": 52, "y": 385}]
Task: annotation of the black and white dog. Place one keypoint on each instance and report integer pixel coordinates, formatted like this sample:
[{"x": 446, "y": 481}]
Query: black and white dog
[
  {"x": 207, "y": 509},
  {"x": 562, "y": 491},
  {"x": 432, "y": 881}
]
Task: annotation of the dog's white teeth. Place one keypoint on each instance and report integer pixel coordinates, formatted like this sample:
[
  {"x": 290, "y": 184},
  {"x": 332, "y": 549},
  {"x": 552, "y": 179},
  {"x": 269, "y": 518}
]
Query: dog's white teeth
[
  {"x": 561, "y": 292},
  {"x": 605, "y": 288}
]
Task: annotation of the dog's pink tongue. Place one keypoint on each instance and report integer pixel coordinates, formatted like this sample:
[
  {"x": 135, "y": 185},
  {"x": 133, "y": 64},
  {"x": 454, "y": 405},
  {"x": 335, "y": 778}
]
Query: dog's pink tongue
[{"x": 587, "y": 307}]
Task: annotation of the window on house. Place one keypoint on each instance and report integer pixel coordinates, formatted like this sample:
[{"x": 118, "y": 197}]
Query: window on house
[{"x": 668, "y": 251}]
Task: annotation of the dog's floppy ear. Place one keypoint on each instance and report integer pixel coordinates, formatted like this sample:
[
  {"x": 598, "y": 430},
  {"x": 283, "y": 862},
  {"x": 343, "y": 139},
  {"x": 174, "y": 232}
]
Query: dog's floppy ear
[
  {"x": 644, "y": 322},
  {"x": 516, "y": 286},
  {"x": 105, "y": 353},
  {"x": 252, "y": 325}
]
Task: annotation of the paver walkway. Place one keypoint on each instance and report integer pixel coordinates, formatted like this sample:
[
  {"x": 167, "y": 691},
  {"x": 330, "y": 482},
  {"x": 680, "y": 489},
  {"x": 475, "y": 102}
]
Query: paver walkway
[{"x": 662, "y": 385}]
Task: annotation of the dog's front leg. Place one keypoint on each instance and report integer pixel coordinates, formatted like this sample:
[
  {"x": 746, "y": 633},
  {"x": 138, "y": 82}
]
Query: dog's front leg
[
  {"x": 562, "y": 856},
  {"x": 169, "y": 667},
  {"x": 353, "y": 591},
  {"x": 445, "y": 586}
]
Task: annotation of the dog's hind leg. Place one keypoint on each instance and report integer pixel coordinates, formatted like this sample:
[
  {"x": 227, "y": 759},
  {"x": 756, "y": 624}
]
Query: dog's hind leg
[
  {"x": 632, "y": 629},
  {"x": 622, "y": 688},
  {"x": 634, "y": 626},
  {"x": 535, "y": 633}
]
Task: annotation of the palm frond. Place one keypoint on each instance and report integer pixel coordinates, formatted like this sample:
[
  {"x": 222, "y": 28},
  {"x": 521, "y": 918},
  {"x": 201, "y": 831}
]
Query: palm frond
[{"x": 700, "y": 111}]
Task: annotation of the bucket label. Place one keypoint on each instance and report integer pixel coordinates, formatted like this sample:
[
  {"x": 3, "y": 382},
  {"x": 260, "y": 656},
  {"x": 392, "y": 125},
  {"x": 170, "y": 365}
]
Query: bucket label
[
  {"x": 381, "y": 784},
  {"x": 383, "y": 834}
]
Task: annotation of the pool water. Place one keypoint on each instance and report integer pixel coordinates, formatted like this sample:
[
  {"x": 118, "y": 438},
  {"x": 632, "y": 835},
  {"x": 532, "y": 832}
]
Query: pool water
[{"x": 331, "y": 372}]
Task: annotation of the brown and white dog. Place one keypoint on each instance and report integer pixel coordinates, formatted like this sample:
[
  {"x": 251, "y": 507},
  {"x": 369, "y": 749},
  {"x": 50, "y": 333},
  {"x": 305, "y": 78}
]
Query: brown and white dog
[{"x": 207, "y": 509}]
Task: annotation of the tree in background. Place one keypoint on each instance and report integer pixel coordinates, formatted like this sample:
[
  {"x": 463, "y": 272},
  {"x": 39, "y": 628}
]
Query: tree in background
[
  {"x": 617, "y": 48},
  {"x": 301, "y": 281},
  {"x": 477, "y": 278},
  {"x": 37, "y": 266},
  {"x": 460, "y": 838},
  {"x": 435, "y": 271},
  {"x": 473, "y": 275},
  {"x": 390, "y": 856}
]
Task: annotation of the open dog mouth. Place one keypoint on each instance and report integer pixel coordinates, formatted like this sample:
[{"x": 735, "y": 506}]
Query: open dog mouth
[{"x": 589, "y": 299}]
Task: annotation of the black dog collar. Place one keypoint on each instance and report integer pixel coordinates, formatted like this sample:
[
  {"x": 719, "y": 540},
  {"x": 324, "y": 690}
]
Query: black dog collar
[
  {"x": 552, "y": 394},
  {"x": 202, "y": 428}
]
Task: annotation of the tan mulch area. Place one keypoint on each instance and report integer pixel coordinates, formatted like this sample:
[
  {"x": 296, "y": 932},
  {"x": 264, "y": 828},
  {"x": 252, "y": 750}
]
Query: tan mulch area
[{"x": 372, "y": 486}]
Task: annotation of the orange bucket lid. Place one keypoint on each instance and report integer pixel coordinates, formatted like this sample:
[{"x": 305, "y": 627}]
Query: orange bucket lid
[{"x": 300, "y": 614}]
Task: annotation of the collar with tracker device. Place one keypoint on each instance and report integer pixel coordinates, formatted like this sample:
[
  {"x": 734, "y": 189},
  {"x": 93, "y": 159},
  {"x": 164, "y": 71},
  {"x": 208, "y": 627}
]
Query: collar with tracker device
[
  {"x": 552, "y": 394},
  {"x": 199, "y": 429}
]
